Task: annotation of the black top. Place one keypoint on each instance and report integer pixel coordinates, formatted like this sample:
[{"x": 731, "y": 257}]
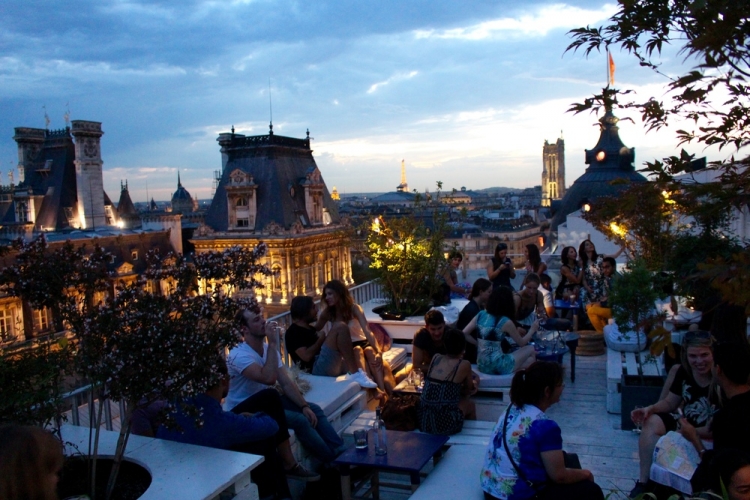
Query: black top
[
  {"x": 502, "y": 279},
  {"x": 698, "y": 406},
  {"x": 464, "y": 318},
  {"x": 423, "y": 340},
  {"x": 560, "y": 290},
  {"x": 298, "y": 336},
  {"x": 730, "y": 425}
]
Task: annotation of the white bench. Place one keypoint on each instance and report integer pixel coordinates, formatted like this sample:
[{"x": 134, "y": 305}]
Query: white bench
[
  {"x": 625, "y": 363},
  {"x": 499, "y": 384},
  {"x": 456, "y": 476},
  {"x": 475, "y": 432}
]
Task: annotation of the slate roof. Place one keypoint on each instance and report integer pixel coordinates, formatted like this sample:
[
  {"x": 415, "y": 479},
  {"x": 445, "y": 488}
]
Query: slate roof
[
  {"x": 618, "y": 163},
  {"x": 279, "y": 165}
]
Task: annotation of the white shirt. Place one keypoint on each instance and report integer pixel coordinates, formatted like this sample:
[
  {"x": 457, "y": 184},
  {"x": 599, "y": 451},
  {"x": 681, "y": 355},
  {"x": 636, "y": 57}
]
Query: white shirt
[
  {"x": 241, "y": 387},
  {"x": 547, "y": 294}
]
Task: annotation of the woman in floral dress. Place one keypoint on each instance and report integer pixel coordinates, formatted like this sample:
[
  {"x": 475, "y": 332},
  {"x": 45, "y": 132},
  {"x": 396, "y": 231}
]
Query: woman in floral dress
[
  {"x": 593, "y": 278},
  {"x": 524, "y": 458}
]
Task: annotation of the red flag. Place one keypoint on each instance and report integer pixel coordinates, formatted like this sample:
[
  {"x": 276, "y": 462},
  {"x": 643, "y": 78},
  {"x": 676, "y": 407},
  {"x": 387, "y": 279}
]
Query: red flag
[{"x": 611, "y": 69}]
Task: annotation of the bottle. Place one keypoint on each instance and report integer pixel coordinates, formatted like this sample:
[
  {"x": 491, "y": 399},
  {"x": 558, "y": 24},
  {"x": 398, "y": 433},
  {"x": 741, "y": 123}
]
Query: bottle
[{"x": 380, "y": 439}]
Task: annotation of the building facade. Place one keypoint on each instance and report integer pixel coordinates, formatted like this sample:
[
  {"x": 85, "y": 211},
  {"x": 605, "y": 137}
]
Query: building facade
[
  {"x": 270, "y": 190},
  {"x": 553, "y": 171}
]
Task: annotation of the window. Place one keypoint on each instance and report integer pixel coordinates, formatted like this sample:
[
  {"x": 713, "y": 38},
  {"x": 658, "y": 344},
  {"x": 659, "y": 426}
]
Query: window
[
  {"x": 242, "y": 202},
  {"x": 22, "y": 212},
  {"x": 41, "y": 320},
  {"x": 134, "y": 254},
  {"x": 244, "y": 222},
  {"x": 7, "y": 324}
]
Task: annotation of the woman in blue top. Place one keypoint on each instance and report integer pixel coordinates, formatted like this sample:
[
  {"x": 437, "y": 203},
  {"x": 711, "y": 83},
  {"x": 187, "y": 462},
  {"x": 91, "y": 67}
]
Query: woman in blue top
[
  {"x": 524, "y": 457},
  {"x": 494, "y": 324}
]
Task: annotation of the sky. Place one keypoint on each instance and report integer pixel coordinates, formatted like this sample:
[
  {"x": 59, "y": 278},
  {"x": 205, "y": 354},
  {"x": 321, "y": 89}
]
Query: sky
[{"x": 465, "y": 92}]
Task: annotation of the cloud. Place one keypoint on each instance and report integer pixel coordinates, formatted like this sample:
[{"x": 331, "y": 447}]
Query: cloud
[
  {"x": 395, "y": 78},
  {"x": 539, "y": 23}
]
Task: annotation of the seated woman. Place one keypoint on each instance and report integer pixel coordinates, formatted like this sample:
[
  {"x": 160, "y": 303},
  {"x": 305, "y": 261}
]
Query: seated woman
[
  {"x": 340, "y": 307},
  {"x": 495, "y": 323},
  {"x": 524, "y": 458},
  {"x": 530, "y": 307},
  {"x": 691, "y": 391},
  {"x": 448, "y": 384},
  {"x": 451, "y": 276},
  {"x": 478, "y": 297}
]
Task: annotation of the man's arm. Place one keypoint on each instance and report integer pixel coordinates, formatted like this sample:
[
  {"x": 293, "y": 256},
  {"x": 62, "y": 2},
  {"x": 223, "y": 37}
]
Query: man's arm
[
  {"x": 266, "y": 374},
  {"x": 292, "y": 393},
  {"x": 307, "y": 354},
  {"x": 420, "y": 359}
]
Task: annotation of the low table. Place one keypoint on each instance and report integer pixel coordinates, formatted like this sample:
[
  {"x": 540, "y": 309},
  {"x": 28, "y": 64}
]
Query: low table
[{"x": 408, "y": 452}]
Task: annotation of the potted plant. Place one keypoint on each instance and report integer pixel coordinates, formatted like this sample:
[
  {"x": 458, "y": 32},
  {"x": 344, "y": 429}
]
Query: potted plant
[
  {"x": 150, "y": 340},
  {"x": 633, "y": 296},
  {"x": 407, "y": 257}
]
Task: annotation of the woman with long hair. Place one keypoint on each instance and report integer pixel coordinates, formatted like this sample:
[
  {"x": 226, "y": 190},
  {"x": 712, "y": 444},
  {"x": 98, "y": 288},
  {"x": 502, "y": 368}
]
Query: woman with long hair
[
  {"x": 692, "y": 392},
  {"x": 524, "y": 458},
  {"x": 30, "y": 461},
  {"x": 340, "y": 306},
  {"x": 534, "y": 262},
  {"x": 500, "y": 269},
  {"x": 570, "y": 274},
  {"x": 494, "y": 324},
  {"x": 593, "y": 277},
  {"x": 448, "y": 384}
]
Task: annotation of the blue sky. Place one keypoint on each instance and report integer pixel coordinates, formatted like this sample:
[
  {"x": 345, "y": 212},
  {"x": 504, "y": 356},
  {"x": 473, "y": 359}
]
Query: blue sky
[{"x": 465, "y": 92}]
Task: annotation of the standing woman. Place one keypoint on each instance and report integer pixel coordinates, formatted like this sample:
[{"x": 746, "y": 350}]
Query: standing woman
[
  {"x": 593, "y": 278},
  {"x": 500, "y": 269},
  {"x": 570, "y": 274},
  {"x": 495, "y": 323},
  {"x": 340, "y": 306},
  {"x": 524, "y": 458},
  {"x": 534, "y": 262}
]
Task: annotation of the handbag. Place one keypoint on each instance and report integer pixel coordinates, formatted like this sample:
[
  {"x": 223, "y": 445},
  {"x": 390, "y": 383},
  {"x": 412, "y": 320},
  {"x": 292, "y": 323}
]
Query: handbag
[{"x": 399, "y": 413}]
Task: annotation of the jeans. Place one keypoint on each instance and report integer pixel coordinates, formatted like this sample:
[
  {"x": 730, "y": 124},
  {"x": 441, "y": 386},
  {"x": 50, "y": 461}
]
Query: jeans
[{"x": 322, "y": 441}]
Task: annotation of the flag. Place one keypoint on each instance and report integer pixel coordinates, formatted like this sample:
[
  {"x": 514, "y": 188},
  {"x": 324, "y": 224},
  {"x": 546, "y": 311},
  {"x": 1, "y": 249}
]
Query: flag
[{"x": 611, "y": 69}]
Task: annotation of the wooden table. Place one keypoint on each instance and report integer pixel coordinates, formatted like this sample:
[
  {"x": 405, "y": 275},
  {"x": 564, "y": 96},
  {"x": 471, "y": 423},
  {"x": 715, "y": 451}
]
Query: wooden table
[{"x": 408, "y": 452}]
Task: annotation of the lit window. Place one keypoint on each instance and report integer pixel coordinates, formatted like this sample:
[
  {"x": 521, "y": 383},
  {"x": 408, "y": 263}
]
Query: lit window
[
  {"x": 7, "y": 324},
  {"x": 41, "y": 320},
  {"x": 134, "y": 255}
]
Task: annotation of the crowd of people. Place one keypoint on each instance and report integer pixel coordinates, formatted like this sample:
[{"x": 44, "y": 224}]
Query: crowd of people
[{"x": 256, "y": 402}]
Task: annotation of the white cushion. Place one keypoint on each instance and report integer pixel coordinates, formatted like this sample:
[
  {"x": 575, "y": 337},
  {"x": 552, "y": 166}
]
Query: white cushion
[
  {"x": 396, "y": 357},
  {"x": 330, "y": 393},
  {"x": 491, "y": 381},
  {"x": 623, "y": 342}
]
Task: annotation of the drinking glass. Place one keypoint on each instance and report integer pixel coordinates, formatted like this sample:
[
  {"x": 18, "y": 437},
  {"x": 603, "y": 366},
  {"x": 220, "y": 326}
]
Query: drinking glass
[
  {"x": 639, "y": 423},
  {"x": 360, "y": 439}
]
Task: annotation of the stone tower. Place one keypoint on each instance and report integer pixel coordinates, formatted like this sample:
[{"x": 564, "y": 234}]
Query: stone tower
[
  {"x": 30, "y": 141},
  {"x": 88, "y": 163},
  {"x": 553, "y": 172}
]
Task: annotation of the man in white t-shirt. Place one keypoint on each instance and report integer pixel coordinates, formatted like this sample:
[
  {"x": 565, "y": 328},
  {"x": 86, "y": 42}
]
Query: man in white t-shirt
[{"x": 255, "y": 365}]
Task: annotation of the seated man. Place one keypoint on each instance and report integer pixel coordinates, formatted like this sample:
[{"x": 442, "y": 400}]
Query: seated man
[
  {"x": 254, "y": 366},
  {"x": 329, "y": 355},
  {"x": 599, "y": 310},
  {"x": 552, "y": 322},
  {"x": 251, "y": 433},
  {"x": 428, "y": 341}
]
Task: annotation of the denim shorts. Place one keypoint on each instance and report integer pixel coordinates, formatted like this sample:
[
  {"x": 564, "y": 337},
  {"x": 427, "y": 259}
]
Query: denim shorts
[{"x": 329, "y": 363}]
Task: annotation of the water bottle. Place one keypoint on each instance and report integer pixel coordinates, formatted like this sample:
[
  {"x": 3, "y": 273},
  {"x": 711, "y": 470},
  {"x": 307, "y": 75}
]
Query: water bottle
[{"x": 380, "y": 439}]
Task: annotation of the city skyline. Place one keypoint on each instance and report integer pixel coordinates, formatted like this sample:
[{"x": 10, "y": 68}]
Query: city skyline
[{"x": 467, "y": 95}]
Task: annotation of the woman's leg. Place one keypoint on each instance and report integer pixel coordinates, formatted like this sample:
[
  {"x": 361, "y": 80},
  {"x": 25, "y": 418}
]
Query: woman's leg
[
  {"x": 375, "y": 367},
  {"x": 653, "y": 429},
  {"x": 524, "y": 357},
  {"x": 340, "y": 340}
]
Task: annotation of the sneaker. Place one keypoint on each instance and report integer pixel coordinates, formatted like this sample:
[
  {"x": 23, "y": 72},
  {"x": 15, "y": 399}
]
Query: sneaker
[
  {"x": 362, "y": 379},
  {"x": 638, "y": 490},
  {"x": 299, "y": 473}
]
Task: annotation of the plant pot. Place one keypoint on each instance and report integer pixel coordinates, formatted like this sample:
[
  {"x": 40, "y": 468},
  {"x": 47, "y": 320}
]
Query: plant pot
[
  {"x": 386, "y": 313},
  {"x": 638, "y": 390},
  {"x": 132, "y": 481}
]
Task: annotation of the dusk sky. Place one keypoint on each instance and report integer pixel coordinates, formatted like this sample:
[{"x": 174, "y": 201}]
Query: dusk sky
[{"x": 465, "y": 92}]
